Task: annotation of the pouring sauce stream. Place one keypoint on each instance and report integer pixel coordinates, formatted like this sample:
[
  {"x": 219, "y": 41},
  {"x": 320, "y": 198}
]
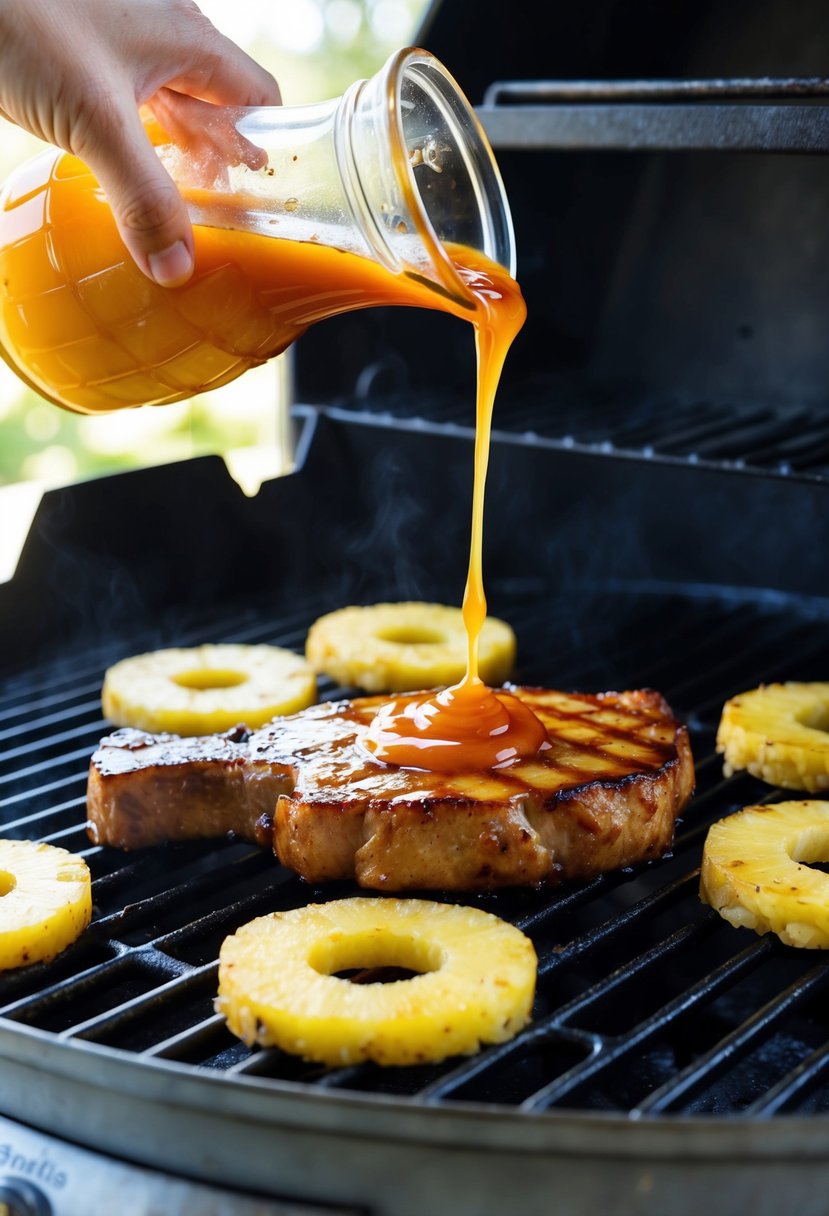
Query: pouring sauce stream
[{"x": 469, "y": 725}]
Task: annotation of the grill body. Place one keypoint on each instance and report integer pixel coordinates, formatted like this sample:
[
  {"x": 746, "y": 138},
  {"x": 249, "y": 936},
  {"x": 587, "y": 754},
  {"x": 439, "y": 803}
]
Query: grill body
[
  {"x": 656, "y": 516},
  {"x": 686, "y": 1057}
]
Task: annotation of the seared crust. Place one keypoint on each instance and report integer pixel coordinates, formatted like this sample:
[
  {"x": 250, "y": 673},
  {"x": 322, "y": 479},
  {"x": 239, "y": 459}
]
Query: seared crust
[
  {"x": 147, "y": 789},
  {"x": 605, "y": 794}
]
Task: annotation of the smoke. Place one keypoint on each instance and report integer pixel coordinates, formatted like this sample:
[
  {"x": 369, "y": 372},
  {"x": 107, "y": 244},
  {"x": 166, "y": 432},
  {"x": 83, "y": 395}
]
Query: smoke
[{"x": 410, "y": 538}]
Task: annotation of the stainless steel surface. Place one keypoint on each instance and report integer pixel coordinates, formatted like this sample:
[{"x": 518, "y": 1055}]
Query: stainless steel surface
[
  {"x": 41, "y": 1175},
  {"x": 392, "y": 1161}
]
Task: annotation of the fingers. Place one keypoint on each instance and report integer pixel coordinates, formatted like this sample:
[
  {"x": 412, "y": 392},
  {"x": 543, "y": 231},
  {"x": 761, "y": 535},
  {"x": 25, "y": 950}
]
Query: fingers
[
  {"x": 208, "y": 134},
  {"x": 104, "y": 60},
  {"x": 148, "y": 209},
  {"x": 224, "y": 74}
]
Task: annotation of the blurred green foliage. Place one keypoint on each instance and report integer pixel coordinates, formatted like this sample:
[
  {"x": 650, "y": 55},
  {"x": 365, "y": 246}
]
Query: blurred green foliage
[{"x": 40, "y": 441}]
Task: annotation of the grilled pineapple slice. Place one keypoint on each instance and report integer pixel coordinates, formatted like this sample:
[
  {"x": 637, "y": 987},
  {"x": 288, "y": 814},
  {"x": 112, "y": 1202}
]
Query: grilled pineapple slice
[
  {"x": 404, "y": 647},
  {"x": 45, "y": 901},
  {"x": 278, "y": 984},
  {"x": 779, "y": 733},
  {"x": 755, "y": 871},
  {"x": 203, "y": 690}
]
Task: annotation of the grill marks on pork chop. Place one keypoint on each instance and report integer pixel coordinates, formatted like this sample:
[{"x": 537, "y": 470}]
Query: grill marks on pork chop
[{"x": 606, "y": 793}]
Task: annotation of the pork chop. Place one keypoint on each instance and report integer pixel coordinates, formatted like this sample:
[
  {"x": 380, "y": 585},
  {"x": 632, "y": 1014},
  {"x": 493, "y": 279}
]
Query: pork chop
[{"x": 605, "y": 794}]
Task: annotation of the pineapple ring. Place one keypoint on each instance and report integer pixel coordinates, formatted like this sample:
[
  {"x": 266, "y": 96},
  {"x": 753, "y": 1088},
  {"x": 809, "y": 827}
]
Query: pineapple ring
[
  {"x": 45, "y": 901},
  {"x": 206, "y": 689},
  {"x": 405, "y": 647},
  {"x": 778, "y": 732},
  {"x": 753, "y": 871},
  {"x": 278, "y": 987}
]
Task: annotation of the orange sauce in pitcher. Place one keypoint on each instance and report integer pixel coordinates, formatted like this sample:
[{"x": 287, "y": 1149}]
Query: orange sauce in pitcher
[{"x": 83, "y": 326}]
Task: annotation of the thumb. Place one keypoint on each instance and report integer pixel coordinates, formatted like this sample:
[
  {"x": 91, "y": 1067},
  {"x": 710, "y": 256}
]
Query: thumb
[{"x": 148, "y": 209}]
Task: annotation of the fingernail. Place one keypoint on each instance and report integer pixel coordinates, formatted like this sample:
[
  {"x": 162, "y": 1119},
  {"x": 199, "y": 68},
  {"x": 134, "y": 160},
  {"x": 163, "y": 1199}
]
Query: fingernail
[{"x": 171, "y": 266}]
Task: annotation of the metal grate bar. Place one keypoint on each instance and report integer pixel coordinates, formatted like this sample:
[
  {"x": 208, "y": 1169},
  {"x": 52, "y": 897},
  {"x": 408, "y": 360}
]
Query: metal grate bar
[
  {"x": 182, "y": 980},
  {"x": 73, "y": 838},
  {"x": 794, "y": 1086},
  {"x": 152, "y": 894},
  {"x": 532, "y": 921},
  {"x": 50, "y": 787},
  {"x": 50, "y": 720},
  {"x": 611, "y": 929},
  {"x": 581, "y": 416},
  {"x": 126, "y": 970},
  {"x": 32, "y": 822},
  {"x": 698, "y": 994},
  {"x": 748, "y": 670},
  {"x": 561, "y": 1023},
  {"x": 808, "y": 442},
  {"x": 180, "y": 1045},
  {"x": 50, "y": 747},
  {"x": 41, "y": 690},
  {"x": 732, "y": 444},
  {"x": 46, "y": 693},
  {"x": 756, "y": 1028}
]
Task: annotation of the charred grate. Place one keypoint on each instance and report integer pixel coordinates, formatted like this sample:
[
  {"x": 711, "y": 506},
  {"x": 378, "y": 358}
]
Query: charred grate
[{"x": 647, "y": 1002}]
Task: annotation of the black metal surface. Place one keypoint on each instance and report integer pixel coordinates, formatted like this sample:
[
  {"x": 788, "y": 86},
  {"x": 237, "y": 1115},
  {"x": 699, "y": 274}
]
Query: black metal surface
[
  {"x": 647, "y": 1002},
  {"x": 653, "y": 275},
  {"x": 654, "y": 127},
  {"x": 738, "y": 115},
  {"x": 741, "y": 88}
]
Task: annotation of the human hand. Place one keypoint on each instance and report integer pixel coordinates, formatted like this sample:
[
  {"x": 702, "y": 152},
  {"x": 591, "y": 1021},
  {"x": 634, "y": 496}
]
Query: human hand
[{"x": 74, "y": 73}]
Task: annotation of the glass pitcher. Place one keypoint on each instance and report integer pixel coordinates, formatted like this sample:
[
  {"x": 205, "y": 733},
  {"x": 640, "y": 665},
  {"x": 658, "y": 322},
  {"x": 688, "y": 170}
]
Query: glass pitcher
[{"x": 370, "y": 198}]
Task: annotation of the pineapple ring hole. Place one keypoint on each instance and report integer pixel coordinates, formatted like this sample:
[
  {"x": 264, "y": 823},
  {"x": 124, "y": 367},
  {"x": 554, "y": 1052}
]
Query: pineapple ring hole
[
  {"x": 200, "y": 679},
  {"x": 811, "y": 846},
  {"x": 412, "y": 635},
  {"x": 816, "y": 717},
  {"x": 382, "y": 958},
  {"x": 7, "y": 883}
]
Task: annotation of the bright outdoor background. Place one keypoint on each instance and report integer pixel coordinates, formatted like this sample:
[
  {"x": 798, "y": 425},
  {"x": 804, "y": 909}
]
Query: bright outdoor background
[{"x": 315, "y": 48}]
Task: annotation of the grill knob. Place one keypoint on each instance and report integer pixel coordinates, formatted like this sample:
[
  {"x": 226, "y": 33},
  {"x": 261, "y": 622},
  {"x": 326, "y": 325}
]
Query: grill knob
[{"x": 20, "y": 1198}]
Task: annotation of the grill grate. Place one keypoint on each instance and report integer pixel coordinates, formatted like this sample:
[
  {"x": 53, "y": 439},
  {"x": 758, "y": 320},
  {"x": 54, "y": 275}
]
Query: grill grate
[
  {"x": 784, "y": 441},
  {"x": 647, "y": 1002}
]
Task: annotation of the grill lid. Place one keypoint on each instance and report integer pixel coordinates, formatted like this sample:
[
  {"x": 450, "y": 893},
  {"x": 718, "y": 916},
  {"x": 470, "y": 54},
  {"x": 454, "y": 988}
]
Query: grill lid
[{"x": 669, "y": 214}]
